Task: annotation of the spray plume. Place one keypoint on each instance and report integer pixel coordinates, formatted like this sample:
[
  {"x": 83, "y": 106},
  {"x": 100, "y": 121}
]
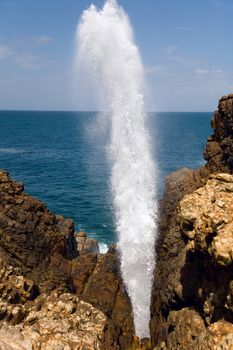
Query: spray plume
[{"x": 105, "y": 47}]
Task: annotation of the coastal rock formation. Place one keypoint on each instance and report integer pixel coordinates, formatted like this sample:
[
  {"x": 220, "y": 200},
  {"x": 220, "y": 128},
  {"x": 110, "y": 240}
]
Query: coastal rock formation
[
  {"x": 192, "y": 299},
  {"x": 171, "y": 253},
  {"x": 58, "y": 292},
  {"x": 206, "y": 219},
  {"x": 85, "y": 244},
  {"x": 219, "y": 148},
  {"x": 57, "y": 321},
  {"x": 30, "y": 235},
  {"x": 192, "y": 295},
  {"x": 40, "y": 253}
]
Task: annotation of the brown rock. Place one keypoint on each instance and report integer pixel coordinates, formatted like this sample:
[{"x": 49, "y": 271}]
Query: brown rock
[
  {"x": 184, "y": 326},
  {"x": 218, "y": 336},
  {"x": 193, "y": 288},
  {"x": 38, "y": 253},
  {"x": 63, "y": 322},
  {"x": 98, "y": 281},
  {"x": 219, "y": 148},
  {"x": 207, "y": 218},
  {"x": 30, "y": 234},
  {"x": 86, "y": 245},
  {"x": 171, "y": 252}
]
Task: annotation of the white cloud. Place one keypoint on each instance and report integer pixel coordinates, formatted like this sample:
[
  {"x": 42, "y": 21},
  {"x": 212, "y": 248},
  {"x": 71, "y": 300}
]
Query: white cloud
[
  {"x": 154, "y": 69},
  {"x": 218, "y": 71},
  {"x": 35, "y": 41},
  {"x": 24, "y": 60},
  {"x": 20, "y": 52},
  {"x": 201, "y": 71},
  {"x": 170, "y": 49},
  {"x": 185, "y": 28},
  {"x": 54, "y": 78},
  {"x": 205, "y": 71},
  {"x": 173, "y": 54},
  {"x": 5, "y": 52},
  {"x": 44, "y": 39}
]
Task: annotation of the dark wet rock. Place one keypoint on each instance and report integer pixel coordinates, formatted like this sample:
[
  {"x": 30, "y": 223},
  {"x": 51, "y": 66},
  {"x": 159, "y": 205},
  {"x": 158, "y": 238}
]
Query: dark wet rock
[
  {"x": 219, "y": 148},
  {"x": 30, "y": 234},
  {"x": 171, "y": 251}
]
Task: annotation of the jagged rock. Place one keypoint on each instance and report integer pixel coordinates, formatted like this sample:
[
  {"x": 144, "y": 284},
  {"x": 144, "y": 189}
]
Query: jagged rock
[
  {"x": 38, "y": 253},
  {"x": 193, "y": 278},
  {"x": 219, "y": 148},
  {"x": 30, "y": 234},
  {"x": 57, "y": 292},
  {"x": 85, "y": 244},
  {"x": 188, "y": 332},
  {"x": 96, "y": 279},
  {"x": 62, "y": 322},
  {"x": 218, "y": 336},
  {"x": 206, "y": 218},
  {"x": 192, "y": 299},
  {"x": 171, "y": 251},
  {"x": 14, "y": 287},
  {"x": 184, "y": 326}
]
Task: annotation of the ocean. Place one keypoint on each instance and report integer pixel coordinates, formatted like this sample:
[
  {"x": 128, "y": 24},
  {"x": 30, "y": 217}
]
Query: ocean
[{"x": 62, "y": 159}]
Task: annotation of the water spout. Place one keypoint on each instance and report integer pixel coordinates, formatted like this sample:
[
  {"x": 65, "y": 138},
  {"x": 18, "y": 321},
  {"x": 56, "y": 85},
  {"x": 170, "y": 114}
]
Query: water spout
[{"x": 105, "y": 46}]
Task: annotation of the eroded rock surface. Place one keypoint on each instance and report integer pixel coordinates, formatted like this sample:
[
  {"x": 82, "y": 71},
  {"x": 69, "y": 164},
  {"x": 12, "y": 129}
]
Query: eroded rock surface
[
  {"x": 193, "y": 295},
  {"x": 206, "y": 218},
  {"x": 85, "y": 244},
  {"x": 39, "y": 254},
  {"x": 167, "y": 292},
  {"x": 58, "y": 292},
  {"x": 57, "y": 321}
]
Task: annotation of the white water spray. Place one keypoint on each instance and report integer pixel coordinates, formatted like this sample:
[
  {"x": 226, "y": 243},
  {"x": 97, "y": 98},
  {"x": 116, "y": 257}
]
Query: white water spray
[{"x": 105, "y": 46}]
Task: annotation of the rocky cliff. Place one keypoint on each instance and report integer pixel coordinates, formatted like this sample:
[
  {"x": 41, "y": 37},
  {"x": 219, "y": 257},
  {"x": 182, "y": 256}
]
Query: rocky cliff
[
  {"x": 54, "y": 286},
  {"x": 58, "y": 292},
  {"x": 219, "y": 148},
  {"x": 192, "y": 295}
]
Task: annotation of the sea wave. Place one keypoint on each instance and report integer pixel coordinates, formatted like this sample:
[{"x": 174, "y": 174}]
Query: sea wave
[
  {"x": 9, "y": 150},
  {"x": 103, "y": 248}
]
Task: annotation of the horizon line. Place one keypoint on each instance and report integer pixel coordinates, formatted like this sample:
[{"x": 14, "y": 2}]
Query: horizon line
[{"x": 96, "y": 111}]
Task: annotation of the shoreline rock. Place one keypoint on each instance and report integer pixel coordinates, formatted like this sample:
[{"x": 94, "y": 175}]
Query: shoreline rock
[
  {"x": 192, "y": 295},
  {"x": 39, "y": 254},
  {"x": 219, "y": 149},
  {"x": 58, "y": 291},
  {"x": 85, "y": 244}
]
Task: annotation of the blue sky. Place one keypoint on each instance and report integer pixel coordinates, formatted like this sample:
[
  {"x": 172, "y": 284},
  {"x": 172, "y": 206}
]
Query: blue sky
[{"x": 186, "y": 47}]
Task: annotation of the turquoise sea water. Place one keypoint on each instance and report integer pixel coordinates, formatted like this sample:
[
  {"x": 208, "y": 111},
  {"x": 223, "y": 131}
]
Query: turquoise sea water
[{"x": 61, "y": 157}]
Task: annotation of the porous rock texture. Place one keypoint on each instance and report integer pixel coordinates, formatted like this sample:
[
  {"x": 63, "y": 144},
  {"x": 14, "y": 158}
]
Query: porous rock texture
[
  {"x": 192, "y": 295},
  {"x": 57, "y": 321},
  {"x": 39, "y": 256}
]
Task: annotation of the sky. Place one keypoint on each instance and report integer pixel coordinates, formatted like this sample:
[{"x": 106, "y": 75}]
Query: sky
[{"x": 186, "y": 48}]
